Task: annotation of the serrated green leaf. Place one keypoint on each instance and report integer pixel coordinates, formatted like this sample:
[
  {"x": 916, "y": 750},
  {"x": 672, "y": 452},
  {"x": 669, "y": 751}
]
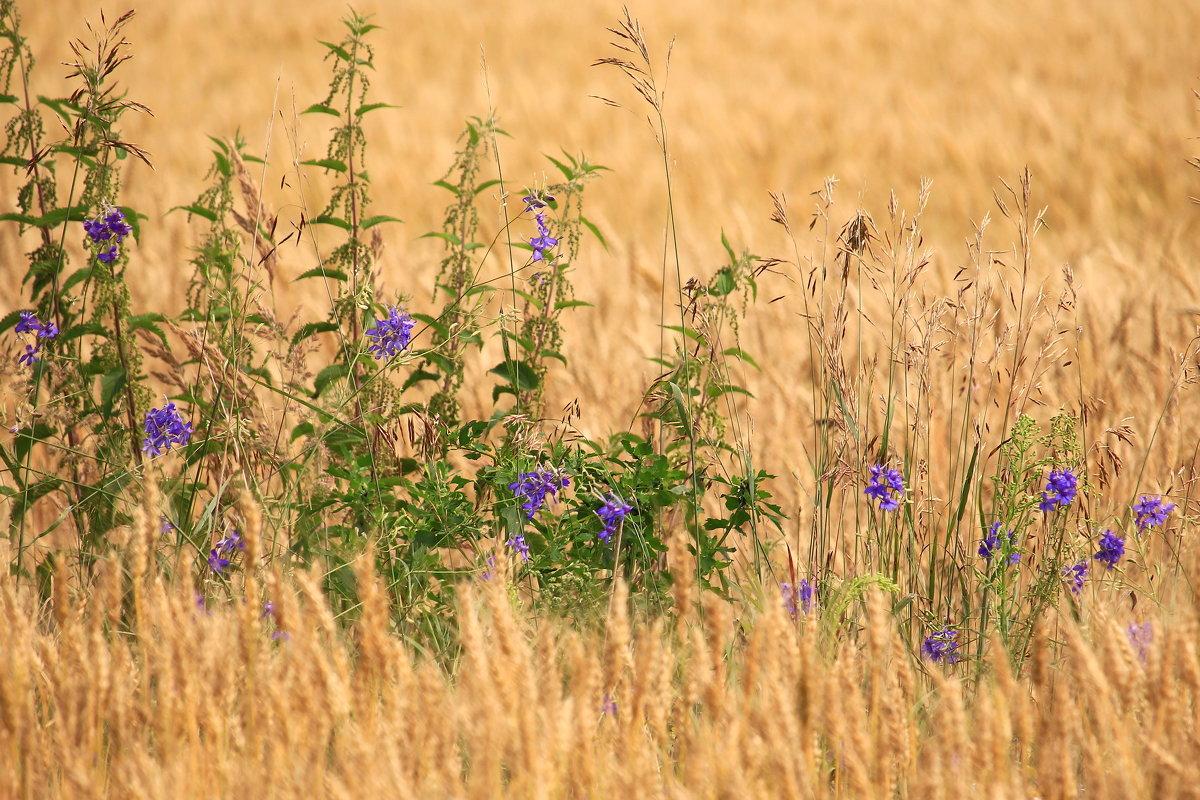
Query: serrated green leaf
[
  {"x": 332, "y": 164},
  {"x": 321, "y": 108},
  {"x": 325, "y": 219},
  {"x": 198, "y": 210},
  {"x": 372, "y": 107},
  {"x": 327, "y": 376},
  {"x": 322, "y": 272},
  {"x": 371, "y": 222},
  {"x": 340, "y": 52},
  {"x": 111, "y": 384},
  {"x": 312, "y": 329},
  {"x": 517, "y": 374}
]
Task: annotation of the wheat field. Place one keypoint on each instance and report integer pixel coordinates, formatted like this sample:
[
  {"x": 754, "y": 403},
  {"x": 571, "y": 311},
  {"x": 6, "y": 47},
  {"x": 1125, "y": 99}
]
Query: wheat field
[
  {"x": 968, "y": 211},
  {"x": 1097, "y": 103}
]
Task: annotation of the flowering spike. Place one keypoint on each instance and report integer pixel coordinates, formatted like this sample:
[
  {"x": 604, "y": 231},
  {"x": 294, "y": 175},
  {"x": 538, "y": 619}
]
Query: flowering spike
[
  {"x": 886, "y": 485},
  {"x": 391, "y": 336}
]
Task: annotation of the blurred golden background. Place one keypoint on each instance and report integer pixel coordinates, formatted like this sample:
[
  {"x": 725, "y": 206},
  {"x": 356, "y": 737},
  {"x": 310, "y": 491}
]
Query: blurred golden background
[{"x": 1096, "y": 99}]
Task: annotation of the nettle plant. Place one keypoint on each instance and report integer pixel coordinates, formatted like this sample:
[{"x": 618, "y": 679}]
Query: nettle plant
[{"x": 347, "y": 430}]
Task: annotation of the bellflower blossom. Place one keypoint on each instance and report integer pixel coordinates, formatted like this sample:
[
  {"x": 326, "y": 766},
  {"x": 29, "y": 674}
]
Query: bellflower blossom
[
  {"x": 997, "y": 541},
  {"x": 1112, "y": 547},
  {"x": 941, "y": 646},
  {"x": 1151, "y": 512},
  {"x": 543, "y": 241},
  {"x": 532, "y": 201},
  {"x": 886, "y": 485},
  {"x": 532, "y": 487},
  {"x": 1061, "y": 488},
  {"x": 165, "y": 427},
  {"x": 391, "y": 336},
  {"x": 612, "y": 513},
  {"x": 1074, "y": 574}
]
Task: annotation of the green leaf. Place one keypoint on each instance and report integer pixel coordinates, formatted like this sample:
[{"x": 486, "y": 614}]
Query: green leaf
[
  {"x": 371, "y": 222},
  {"x": 8, "y": 98},
  {"x": 328, "y": 375},
  {"x": 681, "y": 408},
  {"x": 587, "y": 223},
  {"x": 149, "y": 322},
  {"x": 486, "y": 185},
  {"x": 198, "y": 210},
  {"x": 563, "y": 168},
  {"x": 450, "y": 187},
  {"x": 340, "y": 52},
  {"x": 517, "y": 374},
  {"x": 332, "y": 164},
  {"x": 111, "y": 385},
  {"x": 373, "y": 106},
  {"x": 325, "y": 219},
  {"x": 10, "y": 320},
  {"x": 303, "y": 429},
  {"x": 14, "y": 161},
  {"x": 561, "y": 304},
  {"x": 312, "y": 329},
  {"x": 741, "y": 354},
  {"x": 61, "y": 107},
  {"x": 725, "y": 388},
  {"x": 685, "y": 331},
  {"x": 449, "y": 237},
  {"x": 322, "y": 272}
]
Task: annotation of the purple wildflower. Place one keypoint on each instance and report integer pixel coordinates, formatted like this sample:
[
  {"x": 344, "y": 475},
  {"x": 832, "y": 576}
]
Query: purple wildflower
[
  {"x": 1061, "y": 488},
  {"x": 543, "y": 241},
  {"x": 797, "y": 598},
  {"x": 1074, "y": 574},
  {"x": 391, "y": 335},
  {"x": 941, "y": 646},
  {"x": 487, "y": 573},
  {"x": 519, "y": 546},
  {"x": 1140, "y": 637},
  {"x": 1112, "y": 547},
  {"x": 532, "y": 201},
  {"x": 997, "y": 541},
  {"x": 1151, "y": 512},
  {"x": 532, "y": 488},
  {"x": 30, "y": 356},
  {"x": 219, "y": 556},
  {"x": 111, "y": 223},
  {"x": 886, "y": 485},
  {"x": 165, "y": 525},
  {"x": 611, "y": 514},
  {"x": 28, "y": 322},
  {"x": 165, "y": 427},
  {"x": 609, "y": 706}
]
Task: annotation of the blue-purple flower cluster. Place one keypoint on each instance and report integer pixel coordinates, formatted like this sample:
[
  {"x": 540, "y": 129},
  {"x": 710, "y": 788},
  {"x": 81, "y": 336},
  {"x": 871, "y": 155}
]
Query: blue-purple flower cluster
[
  {"x": 611, "y": 514},
  {"x": 1060, "y": 491},
  {"x": 1074, "y": 575},
  {"x": 941, "y": 647},
  {"x": 29, "y": 323},
  {"x": 998, "y": 542},
  {"x": 519, "y": 546},
  {"x": 1151, "y": 512},
  {"x": 165, "y": 427},
  {"x": 219, "y": 557},
  {"x": 797, "y": 598},
  {"x": 1140, "y": 637},
  {"x": 532, "y": 487},
  {"x": 543, "y": 241},
  {"x": 885, "y": 485},
  {"x": 1112, "y": 547},
  {"x": 391, "y": 336},
  {"x": 104, "y": 228}
]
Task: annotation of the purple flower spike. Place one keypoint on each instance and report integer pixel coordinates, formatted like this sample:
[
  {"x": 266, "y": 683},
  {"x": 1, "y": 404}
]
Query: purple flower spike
[
  {"x": 941, "y": 647},
  {"x": 1061, "y": 488},
  {"x": 1074, "y": 575},
  {"x": 1151, "y": 512},
  {"x": 885, "y": 485},
  {"x": 1112, "y": 547},
  {"x": 611, "y": 514},
  {"x": 391, "y": 336},
  {"x": 164, "y": 428}
]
